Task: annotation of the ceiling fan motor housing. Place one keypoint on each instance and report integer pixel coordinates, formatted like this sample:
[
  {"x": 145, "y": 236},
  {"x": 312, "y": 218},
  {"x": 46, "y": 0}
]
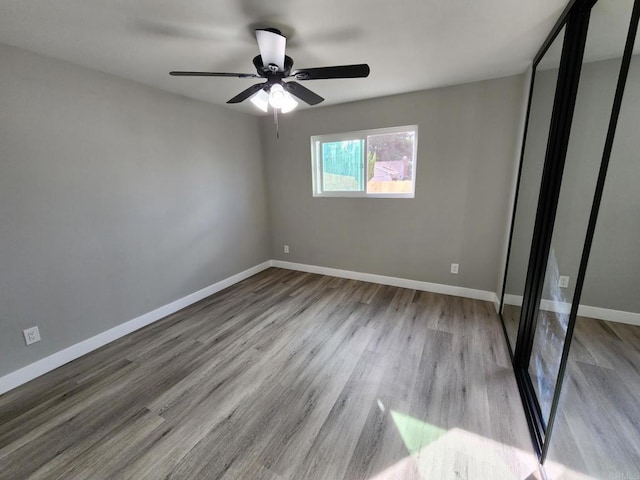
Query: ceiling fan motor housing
[{"x": 272, "y": 70}]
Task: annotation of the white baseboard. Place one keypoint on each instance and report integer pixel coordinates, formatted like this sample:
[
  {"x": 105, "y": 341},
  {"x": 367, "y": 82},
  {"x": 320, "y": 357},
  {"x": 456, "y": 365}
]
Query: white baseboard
[
  {"x": 40, "y": 367},
  {"x": 496, "y": 302},
  {"x": 36, "y": 369},
  {"x": 589, "y": 311},
  {"x": 619, "y": 316},
  {"x": 392, "y": 281},
  {"x": 515, "y": 300}
]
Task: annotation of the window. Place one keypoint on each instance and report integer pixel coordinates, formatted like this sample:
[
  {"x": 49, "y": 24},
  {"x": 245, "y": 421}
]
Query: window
[{"x": 369, "y": 163}]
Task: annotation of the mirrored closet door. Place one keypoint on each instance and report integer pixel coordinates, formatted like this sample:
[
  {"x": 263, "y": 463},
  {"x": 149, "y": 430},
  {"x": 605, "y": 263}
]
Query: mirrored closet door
[{"x": 570, "y": 310}]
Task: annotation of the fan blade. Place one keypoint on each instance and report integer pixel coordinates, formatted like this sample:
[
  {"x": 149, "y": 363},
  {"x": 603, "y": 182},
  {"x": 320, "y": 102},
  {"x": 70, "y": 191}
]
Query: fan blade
[
  {"x": 272, "y": 45},
  {"x": 303, "y": 93},
  {"x": 243, "y": 95},
  {"x": 360, "y": 70},
  {"x": 213, "y": 74}
]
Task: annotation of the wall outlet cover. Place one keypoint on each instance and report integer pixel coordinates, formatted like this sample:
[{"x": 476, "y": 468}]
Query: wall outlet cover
[
  {"x": 31, "y": 335},
  {"x": 563, "y": 281},
  {"x": 454, "y": 268},
  {"x": 286, "y": 249}
]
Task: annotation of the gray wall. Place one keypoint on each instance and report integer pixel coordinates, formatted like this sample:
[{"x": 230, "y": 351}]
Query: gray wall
[
  {"x": 515, "y": 167},
  {"x": 467, "y": 139},
  {"x": 584, "y": 155},
  {"x": 530, "y": 178},
  {"x": 115, "y": 199},
  {"x": 614, "y": 262}
]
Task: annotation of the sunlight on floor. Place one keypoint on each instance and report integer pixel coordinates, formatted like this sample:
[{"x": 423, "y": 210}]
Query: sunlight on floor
[{"x": 458, "y": 454}]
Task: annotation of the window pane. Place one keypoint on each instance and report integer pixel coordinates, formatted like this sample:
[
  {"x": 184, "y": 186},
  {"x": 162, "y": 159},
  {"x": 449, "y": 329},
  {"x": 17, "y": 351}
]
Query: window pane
[
  {"x": 390, "y": 162},
  {"x": 342, "y": 166}
]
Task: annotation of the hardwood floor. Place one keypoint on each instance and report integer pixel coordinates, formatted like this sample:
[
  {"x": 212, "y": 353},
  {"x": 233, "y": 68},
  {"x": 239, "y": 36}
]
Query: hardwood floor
[
  {"x": 286, "y": 375},
  {"x": 597, "y": 430}
]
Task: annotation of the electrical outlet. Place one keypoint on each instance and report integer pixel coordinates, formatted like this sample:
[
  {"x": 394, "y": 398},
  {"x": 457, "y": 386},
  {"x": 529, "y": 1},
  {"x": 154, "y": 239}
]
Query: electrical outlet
[
  {"x": 454, "y": 268},
  {"x": 563, "y": 282},
  {"x": 31, "y": 335},
  {"x": 286, "y": 249}
]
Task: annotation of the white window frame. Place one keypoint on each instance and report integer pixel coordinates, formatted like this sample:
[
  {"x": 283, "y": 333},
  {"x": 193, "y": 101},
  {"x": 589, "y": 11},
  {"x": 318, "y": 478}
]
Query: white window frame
[{"x": 316, "y": 163}]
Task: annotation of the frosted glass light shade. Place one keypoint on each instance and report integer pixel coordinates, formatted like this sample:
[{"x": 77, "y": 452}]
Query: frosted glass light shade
[
  {"x": 282, "y": 100},
  {"x": 289, "y": 103},
  {"x": 276, "y": 96},
  {"x": 261, "y": 100}
]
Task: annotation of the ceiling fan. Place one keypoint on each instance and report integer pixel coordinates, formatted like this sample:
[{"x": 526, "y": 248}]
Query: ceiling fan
[{"x": 274, "y": 66}]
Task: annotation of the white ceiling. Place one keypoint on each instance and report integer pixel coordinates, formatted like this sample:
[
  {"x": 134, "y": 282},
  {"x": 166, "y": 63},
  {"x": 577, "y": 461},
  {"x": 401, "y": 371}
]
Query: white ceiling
[
  {"x": 409, "y": 44},
  {"x": 606, "y": 36}
]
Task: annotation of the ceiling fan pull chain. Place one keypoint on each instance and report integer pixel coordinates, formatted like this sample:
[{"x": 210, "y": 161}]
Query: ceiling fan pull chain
[{"x": 275, "y": 122}]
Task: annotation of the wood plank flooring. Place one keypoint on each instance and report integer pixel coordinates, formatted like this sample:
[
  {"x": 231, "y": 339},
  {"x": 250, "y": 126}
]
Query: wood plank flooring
[
  {"x": 286, "y": 375},
  {"x": 597, "y": 431}
]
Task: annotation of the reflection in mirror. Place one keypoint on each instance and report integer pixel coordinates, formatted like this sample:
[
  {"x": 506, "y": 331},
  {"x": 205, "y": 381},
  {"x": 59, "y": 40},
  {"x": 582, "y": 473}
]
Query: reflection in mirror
[
  {"x": 529, "y": 185},
  {"x": 596, "y": 90},
  {"x": 597, "y": 428}
]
